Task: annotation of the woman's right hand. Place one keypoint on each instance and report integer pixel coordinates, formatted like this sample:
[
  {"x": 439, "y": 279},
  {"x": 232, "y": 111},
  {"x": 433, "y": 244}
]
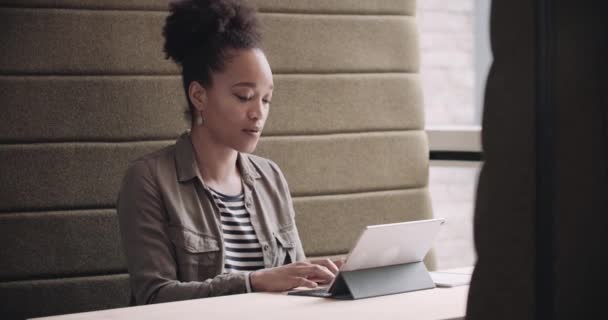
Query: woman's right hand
[{"x": 299, "y": 274}]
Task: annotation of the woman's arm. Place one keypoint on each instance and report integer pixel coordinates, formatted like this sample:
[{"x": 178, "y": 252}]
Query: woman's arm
[
  {"x": 331, "y": 265},
  {"x": 150, "y": 254}
]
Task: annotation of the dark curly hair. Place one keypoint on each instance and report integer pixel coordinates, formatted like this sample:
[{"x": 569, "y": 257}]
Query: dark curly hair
[{"x": 200, "y": 33}]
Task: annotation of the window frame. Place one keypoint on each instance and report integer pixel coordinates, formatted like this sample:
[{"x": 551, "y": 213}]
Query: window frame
[{"x": 454, "y": 145}]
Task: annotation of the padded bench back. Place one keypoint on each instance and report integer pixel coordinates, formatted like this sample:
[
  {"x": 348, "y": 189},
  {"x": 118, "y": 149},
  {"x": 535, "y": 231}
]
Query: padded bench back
[{"x": 85, "y": 89}]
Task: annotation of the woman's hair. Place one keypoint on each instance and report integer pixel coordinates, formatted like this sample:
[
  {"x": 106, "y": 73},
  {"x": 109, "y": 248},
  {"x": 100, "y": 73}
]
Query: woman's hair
[{"x": 199, "y": 35}]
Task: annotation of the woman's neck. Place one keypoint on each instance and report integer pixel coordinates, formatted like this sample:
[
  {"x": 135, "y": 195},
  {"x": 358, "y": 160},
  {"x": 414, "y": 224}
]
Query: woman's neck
[{"x": 216, "y": 162}]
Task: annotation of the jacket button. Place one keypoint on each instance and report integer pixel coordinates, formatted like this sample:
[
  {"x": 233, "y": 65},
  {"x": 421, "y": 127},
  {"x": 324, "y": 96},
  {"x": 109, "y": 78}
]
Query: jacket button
[
  {"x": 248, "y": 204},
  {"x": 266, "y": 247}
]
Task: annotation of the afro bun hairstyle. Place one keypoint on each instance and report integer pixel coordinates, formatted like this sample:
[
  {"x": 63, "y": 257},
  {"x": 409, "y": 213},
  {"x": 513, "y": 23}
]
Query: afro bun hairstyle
[{"x": 200, "y": 33}]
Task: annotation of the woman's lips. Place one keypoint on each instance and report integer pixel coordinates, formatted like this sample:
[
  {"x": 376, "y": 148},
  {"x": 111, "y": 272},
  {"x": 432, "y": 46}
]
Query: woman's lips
[{"x": 253, "y": 132}]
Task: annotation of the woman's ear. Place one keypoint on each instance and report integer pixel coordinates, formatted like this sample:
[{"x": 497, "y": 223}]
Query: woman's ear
[{"x": 198, "y": 95}]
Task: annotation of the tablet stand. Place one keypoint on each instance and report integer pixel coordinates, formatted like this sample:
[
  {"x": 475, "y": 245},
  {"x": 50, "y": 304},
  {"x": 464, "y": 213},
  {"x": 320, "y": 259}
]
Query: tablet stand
[{"x": 366, "y": 283}]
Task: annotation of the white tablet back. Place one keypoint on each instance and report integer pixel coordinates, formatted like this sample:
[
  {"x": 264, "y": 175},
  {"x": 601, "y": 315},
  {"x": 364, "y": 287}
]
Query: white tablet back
[{"x": 395, "y": 243}]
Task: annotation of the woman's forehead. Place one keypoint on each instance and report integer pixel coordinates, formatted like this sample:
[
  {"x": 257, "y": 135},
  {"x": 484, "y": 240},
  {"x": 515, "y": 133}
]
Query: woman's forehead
[{"x": 247, "y": 68}]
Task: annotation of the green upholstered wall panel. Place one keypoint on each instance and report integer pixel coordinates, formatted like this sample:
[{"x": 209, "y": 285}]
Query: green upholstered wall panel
[
  {"x": 63, "y": 243},
  {"x": 327, "y": 44},
  {"x": 88, "y": 175},
  {"x": 127, "y": 108},
  {"x": 81, "y": 108},
  {"x": 65, "y": 175},
  {"x": 405, "y": 7},
  {"x": 317, "y": 104},
  {"x": 53, "y": 41},
  {"x": 130, "y": 42},
  {"x": 36, "y": 298},
  {"x": 84, "y": 242},
  {"x": 345, "y": 163},
  {"x": 158, "y": 5},
  {"x": 330, "y": 224}
]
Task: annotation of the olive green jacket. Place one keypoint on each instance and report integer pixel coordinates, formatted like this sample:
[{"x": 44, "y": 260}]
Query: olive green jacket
[{"x": 171, "y": 231}]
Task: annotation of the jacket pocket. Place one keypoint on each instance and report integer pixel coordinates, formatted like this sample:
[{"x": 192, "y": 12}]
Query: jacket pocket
[
  {"x": 197, "y": 254},
  {"x": 286, "y": 246}
]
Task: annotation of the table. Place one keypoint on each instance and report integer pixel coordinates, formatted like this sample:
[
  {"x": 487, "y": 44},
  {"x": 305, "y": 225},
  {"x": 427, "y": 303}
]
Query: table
[
  {"x": 438, "y": 303},
  {"x": 431, "y": 304}
]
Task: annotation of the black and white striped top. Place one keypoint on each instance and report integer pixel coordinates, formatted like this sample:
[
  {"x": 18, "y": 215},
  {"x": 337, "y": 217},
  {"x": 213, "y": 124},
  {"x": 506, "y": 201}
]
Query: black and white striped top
[{"x": 243, "y": 250}]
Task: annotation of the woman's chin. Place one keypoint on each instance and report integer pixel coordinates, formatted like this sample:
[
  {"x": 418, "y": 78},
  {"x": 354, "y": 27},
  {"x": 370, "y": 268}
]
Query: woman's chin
[{"x": 247, "y": 148}]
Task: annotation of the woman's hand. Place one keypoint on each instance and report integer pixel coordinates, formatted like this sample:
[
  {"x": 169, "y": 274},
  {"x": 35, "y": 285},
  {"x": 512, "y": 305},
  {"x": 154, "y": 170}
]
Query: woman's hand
[
  {"x": 331, "y": 265},
  {"x": 299, "y": 274}
]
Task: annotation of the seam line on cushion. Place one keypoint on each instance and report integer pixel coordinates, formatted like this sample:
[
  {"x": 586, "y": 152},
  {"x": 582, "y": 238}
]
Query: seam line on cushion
[
  {"x": 350, "y": 192},
  {"x": 262, "y": 11},
  {"x": 178, "y": 76},
  {"x": 61, "y": 276},
  {"x": 52, "y": 209},
  {"x": 362, "y": 193},
  {"x": 81, "y": 213},
  {"x": 84, "y": 142},
  {"x": 160, "y": 74},
  {"x": 84, "y": 276}
]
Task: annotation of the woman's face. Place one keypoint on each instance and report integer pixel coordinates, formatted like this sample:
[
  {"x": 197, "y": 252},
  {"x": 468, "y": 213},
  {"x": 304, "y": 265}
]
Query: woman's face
[{"x": 236, "y": 106}]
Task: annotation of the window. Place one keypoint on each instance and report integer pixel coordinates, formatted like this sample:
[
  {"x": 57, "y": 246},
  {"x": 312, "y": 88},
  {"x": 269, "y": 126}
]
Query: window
[{"x": 455, "y": 57}]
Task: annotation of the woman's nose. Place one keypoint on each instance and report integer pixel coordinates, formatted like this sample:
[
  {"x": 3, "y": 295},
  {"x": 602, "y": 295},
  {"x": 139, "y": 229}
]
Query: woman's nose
[{"x": 256, "y": 110}]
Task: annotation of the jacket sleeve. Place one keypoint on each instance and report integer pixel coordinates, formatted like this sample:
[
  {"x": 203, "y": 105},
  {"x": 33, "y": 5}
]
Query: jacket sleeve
[{"x": 149, "y": 252}]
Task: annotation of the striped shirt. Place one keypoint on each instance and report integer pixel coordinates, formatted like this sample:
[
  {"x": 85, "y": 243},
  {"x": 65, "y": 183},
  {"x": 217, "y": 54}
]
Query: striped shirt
[{"x": 243, "y": 250}]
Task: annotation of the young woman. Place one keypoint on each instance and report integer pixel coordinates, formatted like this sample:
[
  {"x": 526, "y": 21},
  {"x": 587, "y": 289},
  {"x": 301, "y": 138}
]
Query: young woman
[{"x": 203, "y": 217}]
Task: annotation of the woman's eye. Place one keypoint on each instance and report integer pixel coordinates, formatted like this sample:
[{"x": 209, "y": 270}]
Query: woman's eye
[
  {"x": 266, "y": 101},
  {"x": 243, "y": 98}
]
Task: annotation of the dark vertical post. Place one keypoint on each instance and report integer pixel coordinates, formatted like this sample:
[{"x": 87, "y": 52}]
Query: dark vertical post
[{"x": 545, "y": 169}]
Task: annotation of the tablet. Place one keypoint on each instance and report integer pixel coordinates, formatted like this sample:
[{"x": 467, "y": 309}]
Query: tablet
[
  {"x": 384, "y": 245},
  {"x": 394, "y": 243}
]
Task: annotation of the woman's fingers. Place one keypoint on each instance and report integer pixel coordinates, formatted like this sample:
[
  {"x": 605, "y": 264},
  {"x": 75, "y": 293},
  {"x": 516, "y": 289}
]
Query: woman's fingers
[
  {"x": 299, "y": 274},
  {"x": 320, "y": 274},
  {"x": 339, "y": 263},
  {"x": 313, "y": 271},
  {"x": 306, "y": 283},
  {"x": 330, "y": 265}
]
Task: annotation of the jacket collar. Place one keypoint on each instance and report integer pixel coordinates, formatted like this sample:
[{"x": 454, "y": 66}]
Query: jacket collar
[{"x": 187, "y": 169}]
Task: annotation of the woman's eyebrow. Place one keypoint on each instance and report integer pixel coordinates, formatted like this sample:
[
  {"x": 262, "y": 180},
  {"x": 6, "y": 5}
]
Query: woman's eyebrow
[
  {"x": 245, "y": 84},
  {"x": 249, "y": 85}
]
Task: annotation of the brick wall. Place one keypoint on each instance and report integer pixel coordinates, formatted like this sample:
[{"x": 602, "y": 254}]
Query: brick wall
[
  {"x": 447, "y": 69},
  {"x": 448, "y": 78}
]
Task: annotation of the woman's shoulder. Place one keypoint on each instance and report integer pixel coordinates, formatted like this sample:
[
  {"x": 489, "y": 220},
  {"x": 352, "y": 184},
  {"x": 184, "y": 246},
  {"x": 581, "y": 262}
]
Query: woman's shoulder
[
  {"x": 257, "y": 167},
  {"x": 157, "y": 155},
  {"x": 152, "y": 161},
  {"x": 261, "y": 165}
]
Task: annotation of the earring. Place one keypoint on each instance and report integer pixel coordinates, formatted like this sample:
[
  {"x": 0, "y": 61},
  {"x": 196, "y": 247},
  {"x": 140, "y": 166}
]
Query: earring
[{"x": 199, "y": 121}]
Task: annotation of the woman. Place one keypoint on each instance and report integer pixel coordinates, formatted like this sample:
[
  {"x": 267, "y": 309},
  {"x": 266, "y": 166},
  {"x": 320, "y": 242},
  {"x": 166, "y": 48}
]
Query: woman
[{"x": 203, "y": 217}]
